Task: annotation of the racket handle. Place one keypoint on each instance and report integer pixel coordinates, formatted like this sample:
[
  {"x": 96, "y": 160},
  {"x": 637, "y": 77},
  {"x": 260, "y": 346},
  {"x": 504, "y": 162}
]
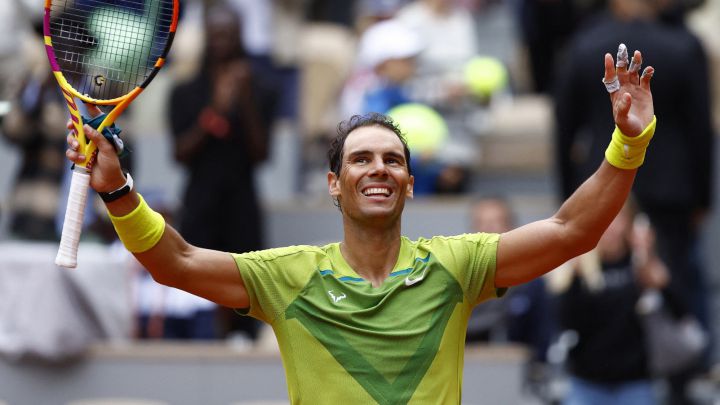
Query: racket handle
[{"x": 72, "y": 226}]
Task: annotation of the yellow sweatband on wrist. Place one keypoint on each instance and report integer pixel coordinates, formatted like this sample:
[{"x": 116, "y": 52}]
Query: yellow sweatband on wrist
[
  {"x": 141, "y": 229},
  {"x": 625, "y": 152}
]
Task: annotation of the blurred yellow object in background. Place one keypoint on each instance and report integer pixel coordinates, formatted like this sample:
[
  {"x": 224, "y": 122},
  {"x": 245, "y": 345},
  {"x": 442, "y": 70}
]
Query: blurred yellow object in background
[
  {"x": 485, "y": 75},
  {"x": 424, "y": 128}
]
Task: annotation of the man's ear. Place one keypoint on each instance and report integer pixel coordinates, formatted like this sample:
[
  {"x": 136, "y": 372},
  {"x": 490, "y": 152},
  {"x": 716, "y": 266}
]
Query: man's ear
[
  {"x": 410, "y": 187},
  {"x": 333, "y": 184}
]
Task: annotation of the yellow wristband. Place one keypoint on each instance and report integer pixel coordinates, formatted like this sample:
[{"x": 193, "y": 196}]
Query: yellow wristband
[
  {"x": 141, "y": 229},
  {"x": 625, "y": 152}
]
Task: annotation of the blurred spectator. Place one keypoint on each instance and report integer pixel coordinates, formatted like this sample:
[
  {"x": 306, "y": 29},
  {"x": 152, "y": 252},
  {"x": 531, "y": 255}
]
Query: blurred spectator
[
  {"x": 323, "y": 47},
  {"x": 545, "y": 28},
  {"x": 36, "y": 124},
  {"x": 599, "y": 295},
  {"x": 703, "y": 21},
  {"x": 256, "y": 25},
  {"x": 450, "y": 38},
  {"x": 220, "y": 122},
  {"x": 675, "y": 185},
  {"x": 340, "y": 12},
  {"x": 386, "y": 59},
  {"x": 16, "y": 17},
  {"x": 328, "y": 43},
  {"x": 523, "y": 316},
  {"x": 369, "y": 12}
]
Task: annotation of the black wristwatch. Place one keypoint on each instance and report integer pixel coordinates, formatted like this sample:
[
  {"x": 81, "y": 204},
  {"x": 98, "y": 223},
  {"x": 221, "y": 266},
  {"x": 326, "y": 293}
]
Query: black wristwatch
[{"x": 124, "y": 190}]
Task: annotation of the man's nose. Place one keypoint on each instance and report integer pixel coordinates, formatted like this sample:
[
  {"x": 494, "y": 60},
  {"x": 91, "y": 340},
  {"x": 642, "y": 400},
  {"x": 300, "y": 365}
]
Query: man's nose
[{"x": 378, "y": 168}]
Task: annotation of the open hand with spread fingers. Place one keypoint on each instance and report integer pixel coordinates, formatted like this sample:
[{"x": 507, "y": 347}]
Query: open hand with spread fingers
[{"x": 629, "y": 90}]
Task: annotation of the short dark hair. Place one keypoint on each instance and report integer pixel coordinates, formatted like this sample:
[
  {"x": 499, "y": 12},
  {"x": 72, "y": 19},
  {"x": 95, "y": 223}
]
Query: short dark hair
[{"x": 335, "y": 153}]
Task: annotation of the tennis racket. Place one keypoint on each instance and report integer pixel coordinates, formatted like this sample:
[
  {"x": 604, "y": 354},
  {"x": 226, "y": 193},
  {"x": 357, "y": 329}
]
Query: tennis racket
[{"x": 102, "y": 52}]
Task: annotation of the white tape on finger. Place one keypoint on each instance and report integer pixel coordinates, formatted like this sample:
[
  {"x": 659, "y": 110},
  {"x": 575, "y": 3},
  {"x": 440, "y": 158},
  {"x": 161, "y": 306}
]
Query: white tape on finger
[
  {"x": 611, "y": 85},
  {"x": 622, "y": 56}
]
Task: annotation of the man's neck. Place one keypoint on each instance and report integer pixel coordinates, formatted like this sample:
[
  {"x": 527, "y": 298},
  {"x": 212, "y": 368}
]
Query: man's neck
[{"x": 372, "y": 253}]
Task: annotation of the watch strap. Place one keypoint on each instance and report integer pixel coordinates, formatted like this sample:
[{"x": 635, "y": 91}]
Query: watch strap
[{"x": 122, "y": 191}]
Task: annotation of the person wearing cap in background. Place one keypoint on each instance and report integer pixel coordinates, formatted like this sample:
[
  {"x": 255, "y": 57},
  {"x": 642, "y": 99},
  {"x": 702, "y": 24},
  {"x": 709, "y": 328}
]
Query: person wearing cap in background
[{"x": 385, "y": 61}]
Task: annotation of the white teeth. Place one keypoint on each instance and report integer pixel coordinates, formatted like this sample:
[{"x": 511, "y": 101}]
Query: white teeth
[{"x": 377, "y": 190}]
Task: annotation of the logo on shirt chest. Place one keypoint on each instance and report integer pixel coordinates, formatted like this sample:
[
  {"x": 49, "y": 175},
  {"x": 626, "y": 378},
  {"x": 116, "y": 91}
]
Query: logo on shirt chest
[
  {"x": 414, "y": 280},
  {"x": 336, "y": 298}
]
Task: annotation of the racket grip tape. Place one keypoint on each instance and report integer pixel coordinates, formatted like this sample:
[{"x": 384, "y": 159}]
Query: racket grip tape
[{"x": 72, "y": 225}]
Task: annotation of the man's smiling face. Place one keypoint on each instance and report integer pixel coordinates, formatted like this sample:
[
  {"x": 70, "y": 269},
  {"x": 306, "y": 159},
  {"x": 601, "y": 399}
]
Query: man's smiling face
[{"x": 374, "y": 178}]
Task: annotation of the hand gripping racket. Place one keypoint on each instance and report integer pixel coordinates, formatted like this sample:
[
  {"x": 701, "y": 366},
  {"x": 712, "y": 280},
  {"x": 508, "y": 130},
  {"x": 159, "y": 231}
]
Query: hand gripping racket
[{"x": 102, "y": 52}]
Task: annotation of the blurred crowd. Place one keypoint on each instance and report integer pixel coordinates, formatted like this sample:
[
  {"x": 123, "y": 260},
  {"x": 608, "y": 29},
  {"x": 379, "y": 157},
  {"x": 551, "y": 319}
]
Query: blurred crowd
[{"x": 241, "y": 69}]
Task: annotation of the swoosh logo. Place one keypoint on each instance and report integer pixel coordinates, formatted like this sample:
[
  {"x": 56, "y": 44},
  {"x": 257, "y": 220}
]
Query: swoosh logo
[
  {"x": 409, "y": 281},
  {"x": 412, "y": 281}
]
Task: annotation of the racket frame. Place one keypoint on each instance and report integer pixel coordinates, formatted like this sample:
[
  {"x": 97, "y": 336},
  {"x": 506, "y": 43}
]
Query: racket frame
[{"x": 77, "y": 198}]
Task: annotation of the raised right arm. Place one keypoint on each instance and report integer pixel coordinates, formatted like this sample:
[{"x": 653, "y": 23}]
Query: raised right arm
[{"x": 171, "y": 260}]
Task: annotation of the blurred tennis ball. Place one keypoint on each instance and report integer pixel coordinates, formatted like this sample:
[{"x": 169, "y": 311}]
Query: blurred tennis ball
[
  {"x": 122, "y": 55},
  {"x": 424, "y": 128},
  {"x": 124, "y": 38},
  {"x": 485, "y": 75}
]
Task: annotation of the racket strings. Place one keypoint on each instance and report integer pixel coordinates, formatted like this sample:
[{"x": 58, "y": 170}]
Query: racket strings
[
  {"x": 73, "y": 31},
  {"x": 106, "y": 48}
]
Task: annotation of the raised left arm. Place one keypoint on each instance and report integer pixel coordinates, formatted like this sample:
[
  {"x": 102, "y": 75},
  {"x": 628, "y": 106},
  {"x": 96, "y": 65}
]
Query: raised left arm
[{"x": 534, "y": 249}]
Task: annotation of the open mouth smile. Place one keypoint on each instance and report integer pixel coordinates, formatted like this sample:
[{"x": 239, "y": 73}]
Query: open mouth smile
[{"x": 377, "y": 191}]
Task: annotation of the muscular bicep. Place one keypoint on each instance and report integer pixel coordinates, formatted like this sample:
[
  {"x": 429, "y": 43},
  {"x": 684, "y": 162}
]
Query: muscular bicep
[
  {"x": 536, "y": 248},
  {"x": 207, "y": 273},
  {"x": 532, "y": 250}
]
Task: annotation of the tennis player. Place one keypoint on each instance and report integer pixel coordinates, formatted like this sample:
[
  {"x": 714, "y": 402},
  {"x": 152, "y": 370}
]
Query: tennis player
[{"x": 379, "y": 318}]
